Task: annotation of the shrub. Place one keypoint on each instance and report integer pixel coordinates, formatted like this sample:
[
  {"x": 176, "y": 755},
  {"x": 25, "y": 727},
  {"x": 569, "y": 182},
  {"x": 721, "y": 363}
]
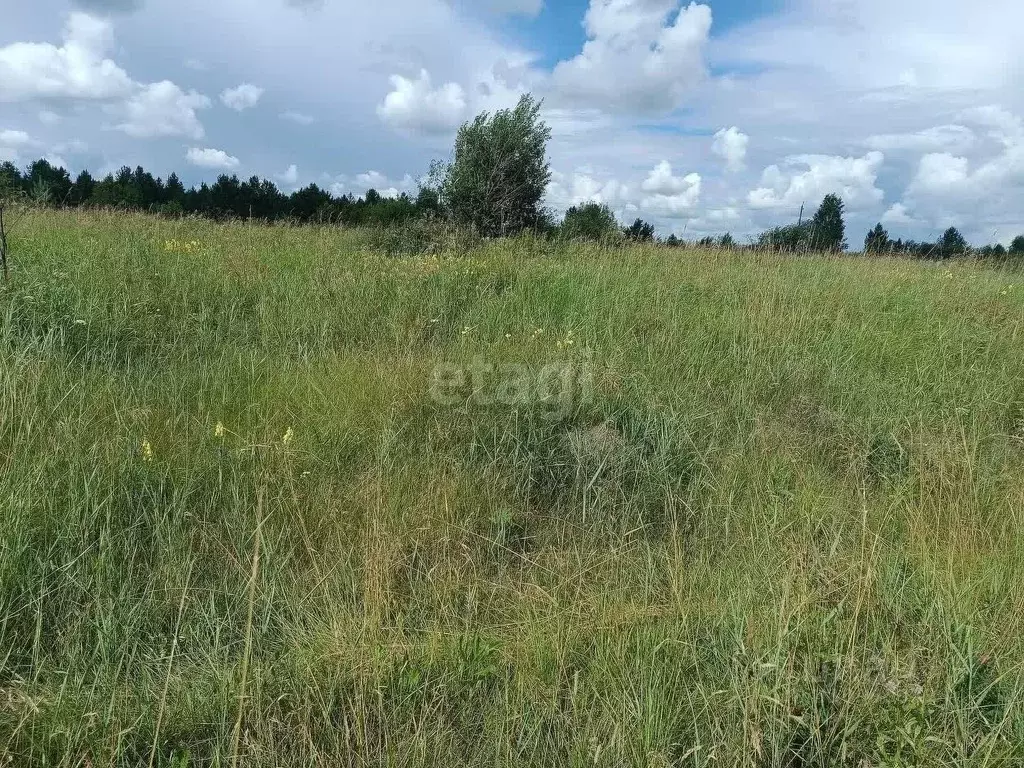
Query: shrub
[{"x": 590, "y": 221}]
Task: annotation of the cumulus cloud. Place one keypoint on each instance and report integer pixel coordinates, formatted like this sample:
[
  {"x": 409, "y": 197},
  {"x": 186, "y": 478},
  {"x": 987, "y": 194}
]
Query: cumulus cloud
[
  {"x": 939, "y": 172},
  {"x": 245, "y": 96},
  {"x": 11, "y": 138},
  {"x": 942, "y": 176},
  {"x": 640, "y": 56},
  {"x": 852, "y": 178},
  {"x": 730, "y": 144},
  {"x": 361, "y": 183},
  {"x": 163, "y": 109},
  {"x": 897, "y": 214},
  {"x": 415, "y": 106},
  {"x": 852, "y": 43},
  {"x": 12, "y": 143},
  {"x": 77, "y": 69},
  {"x": 669, "y": 195},
  {"x": 583, "y": 186},
  {"x": 983, "y": 191},
  {"x": 215, "y": 159},
  {"x": 1003, "y": 125},
  {"x": 291, "y": 176},
  {"x": 661, "y": 194}
]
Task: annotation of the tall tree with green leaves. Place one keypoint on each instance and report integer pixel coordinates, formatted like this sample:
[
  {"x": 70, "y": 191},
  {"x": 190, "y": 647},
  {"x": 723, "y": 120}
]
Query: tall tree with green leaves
[
  {"x": 877, "y": 240},
  {"x": 10, "y": 180},
  {"x": 1017, "y": 246},
  {"x": 828, "y": 228},
  {"x": 499, "y": 171},
  {"x": 590, "y": 221},
  {"x": 639, "y": 231},
  {"x": 951, "y": 244}
]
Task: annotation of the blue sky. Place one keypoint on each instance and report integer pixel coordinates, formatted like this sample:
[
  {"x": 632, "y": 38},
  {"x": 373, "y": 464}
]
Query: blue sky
[
  {"x": 726, "y": 115},
  {"x": 557, "y": 32}
]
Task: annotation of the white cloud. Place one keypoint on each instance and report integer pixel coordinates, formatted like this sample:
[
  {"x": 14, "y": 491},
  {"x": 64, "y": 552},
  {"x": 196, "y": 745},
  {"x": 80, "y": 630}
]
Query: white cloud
[
  {"x": 291, "y": 176},
  {"x": 982, "y": 193},
  {"x": 12, "y": 143},
  {"x": 669, "y": 195},
  {"x": 939, "y": 44},
  {"x": 372, "y": 179},
  {"x": 416, "y": 107},
  {"x": 163, "y": 109},
  {"x": 939, "y": 172},
  {"x": 78, "y": 69},
  {"x": 298, "y": 118},
  {"x": 897, "y": 214},
  {"x": 11, "y": 138},
  {"x": 211, "y": 158},
  {"x": 583, "y": 186},
  {"x": 361, "y": 183},
  {"x": 245, "y": 96},
  {"x": 730, "y": 144},
  {"x": 1003, "y": 125},
  {"x": 852, "y": 178},
  {"x": 660, "y": 194},
  {"x": 637, "y": 58}
]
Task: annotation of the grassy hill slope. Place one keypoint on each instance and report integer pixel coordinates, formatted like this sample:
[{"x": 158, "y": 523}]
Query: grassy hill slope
[{"x": 270, "y": 498}]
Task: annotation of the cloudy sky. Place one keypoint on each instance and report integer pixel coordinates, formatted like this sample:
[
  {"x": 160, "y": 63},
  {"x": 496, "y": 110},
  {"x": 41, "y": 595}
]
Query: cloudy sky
[{"x": 707, "y": 117}]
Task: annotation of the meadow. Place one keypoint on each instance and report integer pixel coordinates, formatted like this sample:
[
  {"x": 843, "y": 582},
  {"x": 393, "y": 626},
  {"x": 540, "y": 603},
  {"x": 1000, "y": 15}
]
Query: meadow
[{"x": 772, "y": 514}]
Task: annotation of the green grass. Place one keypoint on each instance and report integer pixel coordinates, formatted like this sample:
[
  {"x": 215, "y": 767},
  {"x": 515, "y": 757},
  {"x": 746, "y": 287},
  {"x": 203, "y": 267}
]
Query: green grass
[{"x": 782, "y": 526}]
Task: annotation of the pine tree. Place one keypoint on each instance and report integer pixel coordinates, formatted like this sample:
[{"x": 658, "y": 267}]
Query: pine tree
[
  {"x": 639, "y": 232},
  {"x": 952, "y": 243},
  {"x": 827, "y": 227},
  {"x": 83, "y": 188},
  {"x": 877, "y": 240}
]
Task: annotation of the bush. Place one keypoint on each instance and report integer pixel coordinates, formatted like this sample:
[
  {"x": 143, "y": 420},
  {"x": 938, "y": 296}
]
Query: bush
[
  {"x": 590, "y": 221},
  {"x": 422, "y": 236}
]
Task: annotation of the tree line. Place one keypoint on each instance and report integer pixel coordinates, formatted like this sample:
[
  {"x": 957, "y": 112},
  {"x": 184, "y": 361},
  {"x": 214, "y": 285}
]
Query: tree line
[
  {"x": 227, "y": 198},
  {"x": 494, "y": 185}
]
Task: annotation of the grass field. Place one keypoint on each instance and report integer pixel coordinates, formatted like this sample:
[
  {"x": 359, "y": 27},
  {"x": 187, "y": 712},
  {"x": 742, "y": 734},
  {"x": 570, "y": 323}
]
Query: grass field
[{"x": 264, "y": 503}]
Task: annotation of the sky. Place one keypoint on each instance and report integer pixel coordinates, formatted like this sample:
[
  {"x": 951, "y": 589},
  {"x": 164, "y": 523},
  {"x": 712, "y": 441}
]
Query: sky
[{"x": 703, "y": 118}]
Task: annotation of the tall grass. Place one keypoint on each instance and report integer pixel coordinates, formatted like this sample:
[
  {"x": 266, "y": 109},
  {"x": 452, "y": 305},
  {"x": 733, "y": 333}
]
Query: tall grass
[{"x": 782, "y": 529}]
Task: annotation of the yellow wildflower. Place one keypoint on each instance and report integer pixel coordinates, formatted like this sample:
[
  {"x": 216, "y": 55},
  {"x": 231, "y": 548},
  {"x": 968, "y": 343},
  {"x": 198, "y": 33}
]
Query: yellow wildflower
[
  {"x": 289, "y": 435},
  {"x": 219, "y": 430},
  {"x": 147, "y": 450}
]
